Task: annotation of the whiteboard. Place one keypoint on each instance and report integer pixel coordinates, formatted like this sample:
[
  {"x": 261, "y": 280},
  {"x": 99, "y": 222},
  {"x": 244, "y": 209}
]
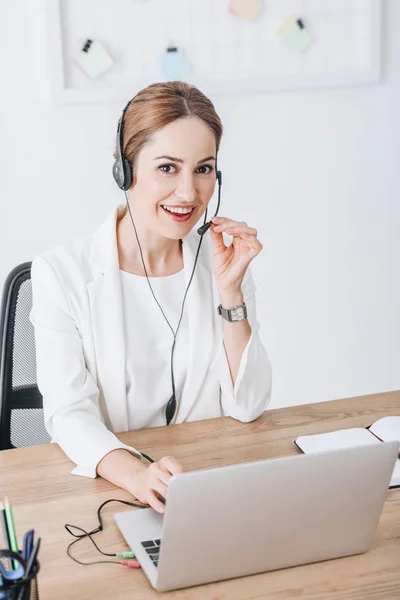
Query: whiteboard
[{"x": 225, "y": 53}]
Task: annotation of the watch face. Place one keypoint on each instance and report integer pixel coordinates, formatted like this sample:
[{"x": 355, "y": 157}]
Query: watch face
[{"x": 237, "y": 314}]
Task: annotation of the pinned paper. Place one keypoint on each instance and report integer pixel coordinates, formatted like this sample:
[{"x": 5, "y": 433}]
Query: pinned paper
[
  {"x": 174, "y": 64},
  {"x": 247, "y": 10},
  {"x": 294, "y": 34},
  {"x": 94, "y": 59}
]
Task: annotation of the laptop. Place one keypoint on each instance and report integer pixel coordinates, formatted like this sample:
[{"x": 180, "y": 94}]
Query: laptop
[{"x": 254, "y": 517}]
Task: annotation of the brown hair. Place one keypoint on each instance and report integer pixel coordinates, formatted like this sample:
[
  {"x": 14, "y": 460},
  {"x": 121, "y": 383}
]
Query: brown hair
[{"x": 160, "y": 104}]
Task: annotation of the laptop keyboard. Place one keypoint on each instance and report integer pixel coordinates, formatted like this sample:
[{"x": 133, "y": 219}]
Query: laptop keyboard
[{"x": 152, "y": 548}]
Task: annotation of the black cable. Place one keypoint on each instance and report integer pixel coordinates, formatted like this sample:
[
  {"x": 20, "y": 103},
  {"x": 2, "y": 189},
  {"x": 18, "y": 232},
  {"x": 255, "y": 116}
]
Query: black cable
[
  {"x": 171, "y": 405},
  {"x": 89, "y": 534},
  {"x": 147, "y": 457},
  {"x": 80, "y": 562},
  {"x": 180, "y": 319},
  {"x": 144, "y": 266}
]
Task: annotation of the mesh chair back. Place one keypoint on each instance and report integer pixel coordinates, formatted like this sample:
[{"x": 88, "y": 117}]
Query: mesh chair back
[{"x": 21, "y": 412}]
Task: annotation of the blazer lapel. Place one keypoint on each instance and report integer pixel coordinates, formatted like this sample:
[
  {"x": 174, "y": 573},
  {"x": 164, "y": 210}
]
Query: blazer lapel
[
  {"x": 200, "y": 311},
  {"x": 105, "y": 297}
]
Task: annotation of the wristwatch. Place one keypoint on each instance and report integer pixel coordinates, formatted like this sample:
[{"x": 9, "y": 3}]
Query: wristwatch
[{"x": 235, "y": 313}]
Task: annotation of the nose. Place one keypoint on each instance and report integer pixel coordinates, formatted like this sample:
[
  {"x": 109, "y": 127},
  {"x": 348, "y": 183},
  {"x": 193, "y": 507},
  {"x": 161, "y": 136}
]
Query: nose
[{"x": 185, "y": 189}]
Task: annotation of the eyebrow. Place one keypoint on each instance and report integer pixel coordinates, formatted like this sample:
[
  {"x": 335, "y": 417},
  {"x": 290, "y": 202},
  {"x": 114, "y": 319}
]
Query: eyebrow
[{"x": 179, "y": 160}]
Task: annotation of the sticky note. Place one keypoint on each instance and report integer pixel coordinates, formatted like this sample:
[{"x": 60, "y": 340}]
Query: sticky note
[
  {"x": 247, "y": 10},
  {"x": 94, "y": 59},
  {"x": 174, "y": 64},
  {"x": 294, "y": 34}
]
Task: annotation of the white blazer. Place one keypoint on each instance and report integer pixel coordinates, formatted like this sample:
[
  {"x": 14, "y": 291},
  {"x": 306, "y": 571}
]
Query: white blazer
[{"x": 77, "y": 315}]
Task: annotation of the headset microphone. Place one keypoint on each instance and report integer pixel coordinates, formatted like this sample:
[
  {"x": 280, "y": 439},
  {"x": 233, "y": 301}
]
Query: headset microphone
[{"x": 206, "y": 226}]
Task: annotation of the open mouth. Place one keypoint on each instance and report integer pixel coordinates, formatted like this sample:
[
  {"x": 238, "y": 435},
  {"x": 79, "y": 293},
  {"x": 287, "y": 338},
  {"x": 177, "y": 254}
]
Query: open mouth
[{"x": 179, "y": 214}]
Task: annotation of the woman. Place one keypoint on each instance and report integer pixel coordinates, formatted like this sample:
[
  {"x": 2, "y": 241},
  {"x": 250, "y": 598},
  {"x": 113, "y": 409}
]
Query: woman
[{"x": 106, "y": 307}]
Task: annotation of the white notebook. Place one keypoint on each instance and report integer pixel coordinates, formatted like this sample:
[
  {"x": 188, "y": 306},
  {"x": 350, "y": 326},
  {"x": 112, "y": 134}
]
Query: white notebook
[{"x": 386, "y": 429}]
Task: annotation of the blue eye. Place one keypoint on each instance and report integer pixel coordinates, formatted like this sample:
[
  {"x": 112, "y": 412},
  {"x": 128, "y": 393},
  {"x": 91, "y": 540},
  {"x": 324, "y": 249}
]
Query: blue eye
[{"x": 208, "y": 169}]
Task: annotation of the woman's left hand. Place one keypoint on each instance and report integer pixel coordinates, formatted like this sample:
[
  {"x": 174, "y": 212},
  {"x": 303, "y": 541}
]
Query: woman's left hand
[{"x": 231, "y": 262}]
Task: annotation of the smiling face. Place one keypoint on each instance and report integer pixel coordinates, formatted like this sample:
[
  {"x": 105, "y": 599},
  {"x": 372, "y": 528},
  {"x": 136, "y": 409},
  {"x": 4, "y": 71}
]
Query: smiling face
[{"x": 174, "y": 177}]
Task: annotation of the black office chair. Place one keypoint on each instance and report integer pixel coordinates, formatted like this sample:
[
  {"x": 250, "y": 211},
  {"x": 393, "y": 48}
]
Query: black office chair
[{"x": 21, "y": 406}]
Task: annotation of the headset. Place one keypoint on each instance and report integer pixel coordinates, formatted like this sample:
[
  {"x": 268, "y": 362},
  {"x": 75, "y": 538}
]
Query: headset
[{"x": 123, "y": 176}]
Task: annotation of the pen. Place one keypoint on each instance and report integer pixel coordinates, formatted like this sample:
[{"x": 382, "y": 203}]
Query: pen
[
  {"x": 6, "y": 535},
  {"x": 27, "y": 544},
  {"x": 11, "y": 527},
  {"x": 32, "y": 558}
]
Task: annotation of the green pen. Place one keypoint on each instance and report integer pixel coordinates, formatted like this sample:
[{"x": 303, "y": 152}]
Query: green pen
[{"x": 11, "y": 528}]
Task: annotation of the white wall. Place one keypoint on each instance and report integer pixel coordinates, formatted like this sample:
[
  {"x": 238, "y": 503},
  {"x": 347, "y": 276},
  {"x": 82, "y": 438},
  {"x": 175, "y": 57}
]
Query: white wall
[{"x": 317, "y": 172}]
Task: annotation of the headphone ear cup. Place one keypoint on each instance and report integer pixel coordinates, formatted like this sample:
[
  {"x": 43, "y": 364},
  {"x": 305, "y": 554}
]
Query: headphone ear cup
[
  {"x": 118, "y": 174},
  {"x": 128, "y": 174},
  {"x": 122, "y": 173}
]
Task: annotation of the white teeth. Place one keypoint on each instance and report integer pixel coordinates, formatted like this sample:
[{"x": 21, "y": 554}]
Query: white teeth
[{"x": 179, "y": 211}]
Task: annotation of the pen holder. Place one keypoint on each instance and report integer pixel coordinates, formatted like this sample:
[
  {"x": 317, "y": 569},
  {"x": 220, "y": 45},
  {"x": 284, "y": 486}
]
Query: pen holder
[{"x": 21, "y": 588}]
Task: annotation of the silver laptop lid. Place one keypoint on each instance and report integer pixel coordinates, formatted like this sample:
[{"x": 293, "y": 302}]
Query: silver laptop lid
[{"x": 232, "y": 521}]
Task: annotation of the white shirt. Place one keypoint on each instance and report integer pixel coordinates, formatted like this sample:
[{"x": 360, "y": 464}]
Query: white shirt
[
  {"x": 80, "y": 332},
  {"x": 148, "y": 338}
]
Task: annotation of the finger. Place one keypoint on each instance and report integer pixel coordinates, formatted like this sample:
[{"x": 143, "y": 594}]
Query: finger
[
  {"x": 257, "y": 244},
  {"x": 241, "y": 229},
  {"x": 217, "y": 241},
  {"x": 252, "y": 238},
  {"x": 155, "y": 503},
  {"x": 247, "y": 249},
  {"x": 159, "y": 486},
  {"x": 250, "y": 241},
  {"x": 253, "y": 249},
  {"x": 162, "y": 474},
  {"x": 171, "y": 465},
  {"x": 219, "y": 219},
  {"x": 223, "y": 225}
]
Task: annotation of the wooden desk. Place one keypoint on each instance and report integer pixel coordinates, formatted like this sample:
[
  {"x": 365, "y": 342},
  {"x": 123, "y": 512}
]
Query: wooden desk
[{"x": 45, "y": 496}]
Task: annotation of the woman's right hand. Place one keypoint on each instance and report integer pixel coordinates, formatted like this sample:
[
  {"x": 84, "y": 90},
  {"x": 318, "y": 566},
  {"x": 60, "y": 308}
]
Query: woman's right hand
[{"x": 149, "y": 481}]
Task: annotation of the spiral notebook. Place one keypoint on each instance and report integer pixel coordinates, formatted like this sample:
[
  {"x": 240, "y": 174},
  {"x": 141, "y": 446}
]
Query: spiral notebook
[{"x": 386, "y": 429}]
